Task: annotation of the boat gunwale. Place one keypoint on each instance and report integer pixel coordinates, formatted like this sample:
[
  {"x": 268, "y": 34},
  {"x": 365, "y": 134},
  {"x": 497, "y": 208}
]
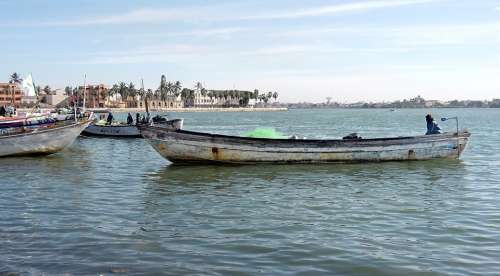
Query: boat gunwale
[
  {"x": 432, "y": 137},
  {"x": 113, "y": 125}
]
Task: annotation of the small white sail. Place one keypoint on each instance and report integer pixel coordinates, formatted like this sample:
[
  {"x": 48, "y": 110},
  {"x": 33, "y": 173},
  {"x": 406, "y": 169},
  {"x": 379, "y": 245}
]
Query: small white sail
[{"x": 29, "y": 86}]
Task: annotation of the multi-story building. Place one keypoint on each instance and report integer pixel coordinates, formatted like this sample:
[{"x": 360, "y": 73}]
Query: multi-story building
[
  {"x": 10, "y": 94},
  {"x": 96, "y": 96},
  {"x": 169, "y": 102}
]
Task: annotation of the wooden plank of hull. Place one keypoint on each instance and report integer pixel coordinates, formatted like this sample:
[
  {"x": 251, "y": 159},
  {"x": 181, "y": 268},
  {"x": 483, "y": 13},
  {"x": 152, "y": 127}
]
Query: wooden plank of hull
[
  {"x": 129, "y": 131},
  {"x": 189, "y": 147},
  {"x": 41, "y": 142}
]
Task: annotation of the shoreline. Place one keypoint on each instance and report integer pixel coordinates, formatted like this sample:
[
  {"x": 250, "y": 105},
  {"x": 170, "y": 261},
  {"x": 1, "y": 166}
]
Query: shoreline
[
  {"x": 194, "y": 109},
  {"x": 189, "y": 109}
]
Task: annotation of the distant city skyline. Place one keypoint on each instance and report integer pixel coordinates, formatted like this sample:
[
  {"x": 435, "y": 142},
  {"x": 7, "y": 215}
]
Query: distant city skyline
[{"x": 378, "y": 50}]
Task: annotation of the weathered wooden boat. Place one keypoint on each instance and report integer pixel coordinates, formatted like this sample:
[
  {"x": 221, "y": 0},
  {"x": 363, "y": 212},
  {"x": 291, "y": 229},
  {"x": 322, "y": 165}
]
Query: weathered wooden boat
[
  {"x": 41, "y": 140},
  {"x": 181, "y": 146},
  {"x": 120, "y": 130}
]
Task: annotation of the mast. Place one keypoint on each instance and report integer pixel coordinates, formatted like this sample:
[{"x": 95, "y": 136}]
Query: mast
[
  {"x": 74, "y": 103},
  {"x": 145, "y": 97},
  {"x": 84, "y": 90}
]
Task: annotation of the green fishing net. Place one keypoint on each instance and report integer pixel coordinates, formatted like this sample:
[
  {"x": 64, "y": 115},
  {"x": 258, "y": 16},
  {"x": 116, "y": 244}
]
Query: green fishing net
[{"x": 265, "y": 132}]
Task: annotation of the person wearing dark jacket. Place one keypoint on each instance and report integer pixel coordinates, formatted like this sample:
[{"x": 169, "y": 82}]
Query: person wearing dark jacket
[
  {"x": 109, "y": 120},
  {"x": 137, "y": 118},
  {"x": 130, "y": 120},
  {"x": 432, "y": 126},
  {"x": 3, "y": 112}
]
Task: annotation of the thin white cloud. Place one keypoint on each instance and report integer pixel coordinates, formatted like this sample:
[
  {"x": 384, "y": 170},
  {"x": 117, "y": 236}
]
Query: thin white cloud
[
  {"x": 290, "y": 49},
  {"x": 408, "y": 36},
  {"x": 202, "y": 32},
  {"x": 158, "y": 53},
  {"x": 140, "y": 16},
  {"x": 226, "y": 13},
  {"x": 340, "y": 8},
  {"x": 193, "y": 53}
]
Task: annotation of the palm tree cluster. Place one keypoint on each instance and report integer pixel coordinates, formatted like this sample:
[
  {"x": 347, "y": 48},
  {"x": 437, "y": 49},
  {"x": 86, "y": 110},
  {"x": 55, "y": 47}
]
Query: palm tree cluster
[
  {"x": 223, "y": 96},
  {"x": 167, "y": 89},
  {"x": 125, "y": 91},
  {"x": 267, "y": 96}
]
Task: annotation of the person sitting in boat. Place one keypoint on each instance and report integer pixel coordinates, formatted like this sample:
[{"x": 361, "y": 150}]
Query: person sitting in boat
[
  {"x": 432, "y": 126},
  {"x": 109, "y": 120},
  {"x": 3, "y": 112},
  {"x": 130, "y": 120}
]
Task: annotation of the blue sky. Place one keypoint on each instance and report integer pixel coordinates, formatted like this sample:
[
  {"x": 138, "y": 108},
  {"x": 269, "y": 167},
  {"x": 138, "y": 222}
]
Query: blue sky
[{"x": 371, "y": 50}]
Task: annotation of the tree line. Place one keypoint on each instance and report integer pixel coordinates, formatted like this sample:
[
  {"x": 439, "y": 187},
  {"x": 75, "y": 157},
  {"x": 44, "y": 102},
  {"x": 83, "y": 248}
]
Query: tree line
[
  {"x": 165, "y": 90},
  {"x": 174, "y": 90}
]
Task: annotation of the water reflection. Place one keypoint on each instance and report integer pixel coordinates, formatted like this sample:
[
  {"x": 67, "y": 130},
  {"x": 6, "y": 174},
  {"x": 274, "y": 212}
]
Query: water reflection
[{"x": 170, "y": 178}]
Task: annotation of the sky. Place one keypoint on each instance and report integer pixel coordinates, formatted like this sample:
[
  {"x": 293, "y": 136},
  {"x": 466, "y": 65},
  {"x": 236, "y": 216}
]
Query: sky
[{"x": 359, "y": 50}]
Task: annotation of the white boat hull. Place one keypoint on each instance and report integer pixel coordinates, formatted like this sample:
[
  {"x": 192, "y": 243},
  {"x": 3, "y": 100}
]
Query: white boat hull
[
  {"x": 41, "y": 141},
  {"x": 192, "y": 147}
]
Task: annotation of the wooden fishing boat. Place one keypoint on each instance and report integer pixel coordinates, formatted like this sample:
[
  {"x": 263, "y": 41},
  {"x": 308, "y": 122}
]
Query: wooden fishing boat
[
  {"x": 120, "y": 130},
  {"x": 41, "y": 140},
  {"x": 126, "y": 131},
  {"x": 181, "y": 146}
]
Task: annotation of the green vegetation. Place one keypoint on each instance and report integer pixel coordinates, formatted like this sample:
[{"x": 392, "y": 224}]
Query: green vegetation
[
  {"x": 14, "y": 78},
  {"x": 416, "y": 102}
]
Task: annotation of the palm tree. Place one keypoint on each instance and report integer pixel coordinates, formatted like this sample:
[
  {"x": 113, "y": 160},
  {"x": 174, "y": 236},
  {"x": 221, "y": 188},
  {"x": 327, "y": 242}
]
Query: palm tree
[
  {"x": 198, "y": 86},
  {"x": 123, "y": 90},
  {"x": 275, "y": 96},
  {"x": 177, "y": 88},
  {"x": 211, "y": 95},
  {"x": 141, "y": 93},
  {"x": 68, "y": 90},
  {"x": 219, "y": 96},
  {"x": 256, "y": 94},
  {"x": 46, "y": 89},
  {"x": 269, "y": 95},
  {"x": 149, "y": 93},
  {"x": 162, "y": 89},
  {"x": 14, "y": 78},
  {"x": 113, "y": 91},
  {"x": 170, "y": 89},
  {"x": 132, "y": 93},
  {"x": 245, "y": 99}
]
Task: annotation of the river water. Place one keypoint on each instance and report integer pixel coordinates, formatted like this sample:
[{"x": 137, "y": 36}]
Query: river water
[{"x": 115, "y": 207}]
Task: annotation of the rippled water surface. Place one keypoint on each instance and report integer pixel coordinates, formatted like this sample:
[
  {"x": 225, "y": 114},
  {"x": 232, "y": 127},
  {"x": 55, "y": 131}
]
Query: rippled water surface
[{"x": 109, "y": 206}]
